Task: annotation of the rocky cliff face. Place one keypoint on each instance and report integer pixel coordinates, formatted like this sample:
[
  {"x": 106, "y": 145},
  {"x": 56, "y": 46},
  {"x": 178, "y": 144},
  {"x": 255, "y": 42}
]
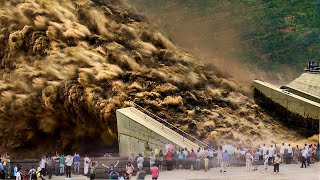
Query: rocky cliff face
[{"x": 66, "y": 66}]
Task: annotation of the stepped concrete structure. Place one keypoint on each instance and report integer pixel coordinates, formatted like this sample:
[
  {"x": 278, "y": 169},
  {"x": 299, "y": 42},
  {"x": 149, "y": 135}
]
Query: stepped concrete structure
[
  {"x": 137, "y": 131},
  {"x": 301, "y": 97}
]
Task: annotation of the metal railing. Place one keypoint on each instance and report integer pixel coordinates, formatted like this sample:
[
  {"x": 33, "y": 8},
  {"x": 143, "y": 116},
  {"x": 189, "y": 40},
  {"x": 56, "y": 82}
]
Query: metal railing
[{"x": 171, "y": 126}]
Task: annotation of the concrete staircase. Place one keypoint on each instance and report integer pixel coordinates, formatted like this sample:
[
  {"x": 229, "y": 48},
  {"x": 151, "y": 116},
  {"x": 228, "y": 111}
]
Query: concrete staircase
[{"x": 136, "y": 130}]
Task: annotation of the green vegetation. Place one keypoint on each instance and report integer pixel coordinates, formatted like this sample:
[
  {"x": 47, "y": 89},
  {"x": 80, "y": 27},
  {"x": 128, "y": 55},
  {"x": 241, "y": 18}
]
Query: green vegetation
[
  {"x": 272, "y": 33},
  {"x": 284, "y": 32}
]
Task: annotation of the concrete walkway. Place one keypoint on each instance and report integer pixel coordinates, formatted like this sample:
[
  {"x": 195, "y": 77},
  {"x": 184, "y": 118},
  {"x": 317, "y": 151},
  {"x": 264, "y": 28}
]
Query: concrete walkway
[{"x": 287, "y": 172}]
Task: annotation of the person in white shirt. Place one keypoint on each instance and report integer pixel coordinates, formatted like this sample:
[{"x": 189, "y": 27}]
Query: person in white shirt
[
  {"x": 140, "y": 161},
  {"x": 271, "y": 155},
  {"x": 264, "y": 149},
  {"x": 304, "y": 153},
  {"x": 18, "y": 176},
  {"x": 69, "y": 162},
  {"x": 43, "y": 165},
  {"x": 289, "y": 158},
  {"x": 86, "y": 164}
]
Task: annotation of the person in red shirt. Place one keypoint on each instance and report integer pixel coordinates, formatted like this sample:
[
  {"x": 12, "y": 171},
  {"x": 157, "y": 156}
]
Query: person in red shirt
[
  {"x": 193, "y": 158},
  {"x": 169, "y": 160},
  {"x": 154, "y": 172}
]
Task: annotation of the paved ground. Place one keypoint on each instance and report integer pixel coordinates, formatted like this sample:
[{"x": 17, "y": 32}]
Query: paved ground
[{"x": 287, "y": 172}]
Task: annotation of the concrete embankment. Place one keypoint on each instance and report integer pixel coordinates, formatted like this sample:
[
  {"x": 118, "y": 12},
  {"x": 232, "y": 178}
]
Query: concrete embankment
[{"x": 296, "y": 104}]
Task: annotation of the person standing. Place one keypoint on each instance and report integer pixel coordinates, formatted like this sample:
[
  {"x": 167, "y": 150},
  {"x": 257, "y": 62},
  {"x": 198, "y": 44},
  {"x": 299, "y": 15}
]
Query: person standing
[
  {"x": 86, "y": 164},
  {"x": 219, "y": 155},
  {"x": 256, "y": 158},
  {"x": 206, "y": 163},
  {"x": 296, "y": 153},
  {"x": 205, "y": 156},
  {"x": 131, "y": 158},
  {"x": 18, "y": 176},
  {"x": 282, "y": 149},
  {"x": 193, "y": 158},
  {"x": 224, "y": 161},
  {"x": 304, "y": 154},
  {"x": 43, "y": 162},
  {"x": 180, "y": 159},
  {"x": 7, "y": 166},
  {"x": 56, "y": 164},
  {"x": 198, "y": 160},
  {"x": 276, "y": 163},
  {"x": 154, "y": 172},
  {"x": 265, "y": 161},
  {"x": 49, "y": 166},
  {"x": 248, "y": 160},
  {"x": 2, "y": 174},
  {"x": 210, "y": 153},
  {"x": 160, "y": 159},
  {"x": 152, "y": 159},
  {"x": 76, "y": 163},
  {"x": 140, "y": 161},
  {"x": 271, "y": 155},
  {"x": 61, "y": 164},
  {"x": 186, "y": 158},
  {"x": 289, "y": 155},
  {"x": 264, "y": 149},
  {"x": 309, "y": 154},
  {"x": 168, "y": 160},
  {"x": 69, "y": 162},
  {"x": 238, "y": 155},
  {"x": 156, "y": 152},
  {"x": 93, "y": 167}
]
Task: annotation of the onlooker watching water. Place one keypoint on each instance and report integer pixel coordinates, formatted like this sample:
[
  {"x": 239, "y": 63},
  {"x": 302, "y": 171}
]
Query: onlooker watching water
[
  {"x": 76, "y": 163},
  {"x": 277, "y": 163},
  {"x": 86, "y": 164},
  {"x": 152, "y": 159},
  {"x": 180, "y": 159},
  {"x": 49, "y": 166},
  {"x": 193, "y": 158},
  {"x": 69, "y": 162},
  {"x": 169, "y": 160},
  {"x": 248, "y": 160},
  {"x": 219, "y": 155},
  {"x": 43, "y": 162},
  {"x": 160, "y": 159},
  {"x": 61, "y": 164},
  {"x": 224, "y": 161},
  {"x": 304, "y": 153},
  {"x": 256, "y": 159},
  {"x": 140, "y": 161},
  {"x": 56, "y": 164}
]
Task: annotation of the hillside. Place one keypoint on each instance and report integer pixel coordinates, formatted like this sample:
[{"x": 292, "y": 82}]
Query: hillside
[
  {"x": 269, "y": 40},
  {"x": 66, "y": 66}
]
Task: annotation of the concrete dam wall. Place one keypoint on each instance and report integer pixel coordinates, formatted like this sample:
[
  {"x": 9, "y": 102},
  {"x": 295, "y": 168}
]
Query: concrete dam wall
[
  {"x": 136, "y": 131},
  {"x": 297, "y": 103}
]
